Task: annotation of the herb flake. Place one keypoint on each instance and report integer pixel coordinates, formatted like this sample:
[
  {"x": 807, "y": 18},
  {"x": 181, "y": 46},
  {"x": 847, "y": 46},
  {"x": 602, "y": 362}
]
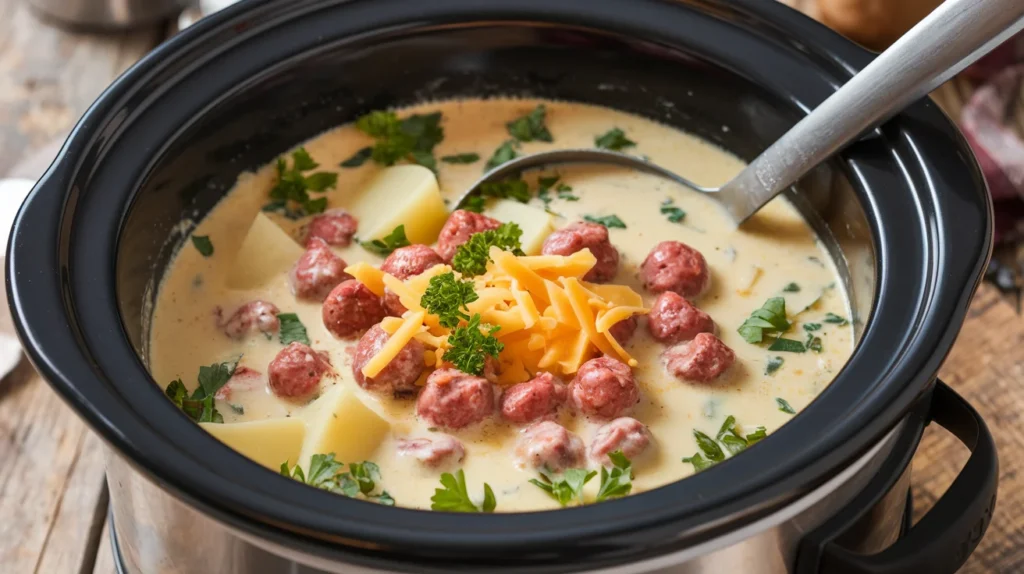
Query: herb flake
[
  {"x": 293, "y": 187},
  {"x": 203, "y": 245},
  {"x": 834, "y": 319},
  {"x": 461, "y": 158},
  {"x": 784, "y": 406},
  {"x": 387, "y": 244},
  {"x": 618, "y": 481},
  {"x": 506, "y": 152},
  {"x": 773, "y": 365},
  {"x": 530, "y": 127},
  {"x": 292, "y": 329},
  {"x": 791, "y": 288},
  {"x": 454, "y": 496},
  {"x": 671, "y": 212},
  {"x": 767, "y": 320},
  {"x": 609, "y": 221},
  {"x": 358, "y": 158},
  {"x": 784, "y": 345},
  {"x": 614, "y": 139}
]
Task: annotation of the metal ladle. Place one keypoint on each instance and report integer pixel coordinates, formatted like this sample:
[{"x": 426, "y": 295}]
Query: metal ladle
[{"x": 954, "y": 36}]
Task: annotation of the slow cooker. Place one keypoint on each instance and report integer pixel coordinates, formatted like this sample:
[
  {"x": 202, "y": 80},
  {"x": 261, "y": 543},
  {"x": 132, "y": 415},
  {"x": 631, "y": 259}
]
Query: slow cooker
[{"x": 904, "y": 211}]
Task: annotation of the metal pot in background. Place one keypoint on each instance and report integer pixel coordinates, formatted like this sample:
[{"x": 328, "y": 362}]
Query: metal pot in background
[{"x": 108, "y": 14}]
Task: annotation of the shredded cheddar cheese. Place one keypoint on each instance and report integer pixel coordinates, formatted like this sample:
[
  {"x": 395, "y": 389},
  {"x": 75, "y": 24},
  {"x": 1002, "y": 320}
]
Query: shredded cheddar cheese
[{"x": 549, "y": 318}]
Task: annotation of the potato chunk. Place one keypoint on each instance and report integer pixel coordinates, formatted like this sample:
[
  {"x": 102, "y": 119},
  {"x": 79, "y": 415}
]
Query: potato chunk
[
  {"x": 401, "y": 195},
  {"x": 536, "y": 223},
  {"x": 268, "y": 442},
  {"x": 266, "y": 251},
  {"x": 339, "y": 422}
]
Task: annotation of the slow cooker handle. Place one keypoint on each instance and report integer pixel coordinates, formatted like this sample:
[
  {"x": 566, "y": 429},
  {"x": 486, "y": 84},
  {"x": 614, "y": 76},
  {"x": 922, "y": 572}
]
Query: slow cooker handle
[{"x": 948, "y": 533}]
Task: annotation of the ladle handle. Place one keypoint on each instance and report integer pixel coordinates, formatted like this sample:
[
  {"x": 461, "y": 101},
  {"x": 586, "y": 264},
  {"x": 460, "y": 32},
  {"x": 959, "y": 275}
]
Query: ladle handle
[{"x": 952, "y": 37}]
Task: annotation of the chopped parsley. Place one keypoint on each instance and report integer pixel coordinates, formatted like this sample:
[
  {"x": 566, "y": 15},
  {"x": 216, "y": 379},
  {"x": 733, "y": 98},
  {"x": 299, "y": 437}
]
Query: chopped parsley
[
  {"x": 472, "y": 256},
  {"x": 734, "y": 442},
  {"x": 791, "y": 288},
  {"x": 811, "y": 327},
  {"x": 614, "y": 139},
  {"x": 454, "y": 496},
  {"x": 834, "y": 319},
  {"x": 619, "y": 480},
  {"x": 474, "y": 203},
  {"x": 446, "y": 297},
  {"x": 565, "y": 192},
  {"x": 784, "y": 345},
  {"x": 768, "y": 320},
  {"x": 292, "y": 329},
  {"x": 544, "y": 185},
  {"x": 506, "y": 152},
  {"x": 469, "y": 346},
  {"x": 813, "y": 343},
  {"x": 774, "y": 364},
  {"x": 530, "y": 127},
  {"x": 784, "y": 406},
  {"x": 672, "y": 213},
  {"x": 358, "y": 158},
  {"x": 200, "y": 405},
  {"x": 385, "y": 245},
  {"x": 507, "y": 189},
  {"x": 461, "y": 158},
  {"x": 410, "y": 139},
  {"x": 608, "y": 221},
  {"x": 566, "y": 487},
  {"x": 239, "y": 409},
  {"x": 292, "y": 187},
  {"x": 699, "y": 462},
  {"x": 203, "y": 245},
  {"x": 326, "y": 473}
]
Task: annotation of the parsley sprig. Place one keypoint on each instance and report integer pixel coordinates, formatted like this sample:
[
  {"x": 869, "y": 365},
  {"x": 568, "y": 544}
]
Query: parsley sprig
[
  {"x": 565, "y": 487},
  {"x": 770, "y": 319},
  {"x": 619, "y": 480},
  {"x": 614, "y": 139},
  {"x": 200, "y": 405},
  {"x": 327, "y": 474},
  {"x": 531, "y": 127},
  {"x": 387, "y": 244},
  {"x": 469, "y": 346},
  {"x": 292, "y": 329},
  {"x": 472, "y": 256},
  {"x": 711, "y": 453},
  {"x": 609, "y": 221},
  {"x": 446, "y": 297},
  {"x": 203, "y": 245},
  {"x": 454, "y": 496},
  {"x": 410, "y": 139},
  {"x": 293, "y": 186}
]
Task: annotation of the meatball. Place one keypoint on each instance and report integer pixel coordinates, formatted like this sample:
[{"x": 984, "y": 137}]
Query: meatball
[
  {"x": 627, "y": 434},
  {"x": 253, "y": 316},
  {"x": 604, "y": 388},
  {"x": 403, "y": 263},
  {"x": 673, "y": 319},
  {"x": 336, "y": 227},
  {"x": 549, "y": 445},
  {"x": 456, "y": 231},
  {"x": 675, "y": 266},
  {"x": 624, "y": 329},
  {"x": 243, "y": 379},
  {"x": 703, "y": 359},
  {"x": 296, "y": 370},
  {"x": 583, "y": 235},
  {"x": 399, "y": 376},
  {"x": 350, "y": 308},
  {"x": 453, "y": 399},
  {"x": 539, "y": 397},
  {"x": 433, "y": 452},
  {"x": 317, "y": 272}
]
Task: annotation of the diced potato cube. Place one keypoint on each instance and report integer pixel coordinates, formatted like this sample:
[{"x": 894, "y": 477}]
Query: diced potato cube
[
  {"x": 536, "y": 223},
  {"x": 268, "y": 442},
  {"x": 401, "y": 195},
  {"x": 266, "y": 251},
  {"x": 339, "y": 422}
]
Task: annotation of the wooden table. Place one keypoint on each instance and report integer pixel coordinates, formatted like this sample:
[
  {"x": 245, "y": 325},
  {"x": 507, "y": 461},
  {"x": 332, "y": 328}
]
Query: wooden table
[{"x": 53, "y": 499}]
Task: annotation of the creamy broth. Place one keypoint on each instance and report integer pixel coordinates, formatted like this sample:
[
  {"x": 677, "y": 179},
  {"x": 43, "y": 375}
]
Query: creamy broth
[{"x": 747, "y": 265}]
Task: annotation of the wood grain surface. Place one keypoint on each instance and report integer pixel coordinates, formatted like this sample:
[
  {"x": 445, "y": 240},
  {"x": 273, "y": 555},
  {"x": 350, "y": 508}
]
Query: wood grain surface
[{"x": 52, "y": 494}]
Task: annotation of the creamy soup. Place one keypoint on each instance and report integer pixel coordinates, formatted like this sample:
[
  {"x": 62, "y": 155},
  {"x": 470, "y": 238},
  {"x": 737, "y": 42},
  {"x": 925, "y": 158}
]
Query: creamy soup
[{"x": 775, "y": 255}]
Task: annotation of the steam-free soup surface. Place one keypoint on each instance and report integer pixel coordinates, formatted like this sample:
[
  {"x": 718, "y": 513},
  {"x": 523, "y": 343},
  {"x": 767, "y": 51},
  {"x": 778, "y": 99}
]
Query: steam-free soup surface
[{"x": 774, "y": 255}]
